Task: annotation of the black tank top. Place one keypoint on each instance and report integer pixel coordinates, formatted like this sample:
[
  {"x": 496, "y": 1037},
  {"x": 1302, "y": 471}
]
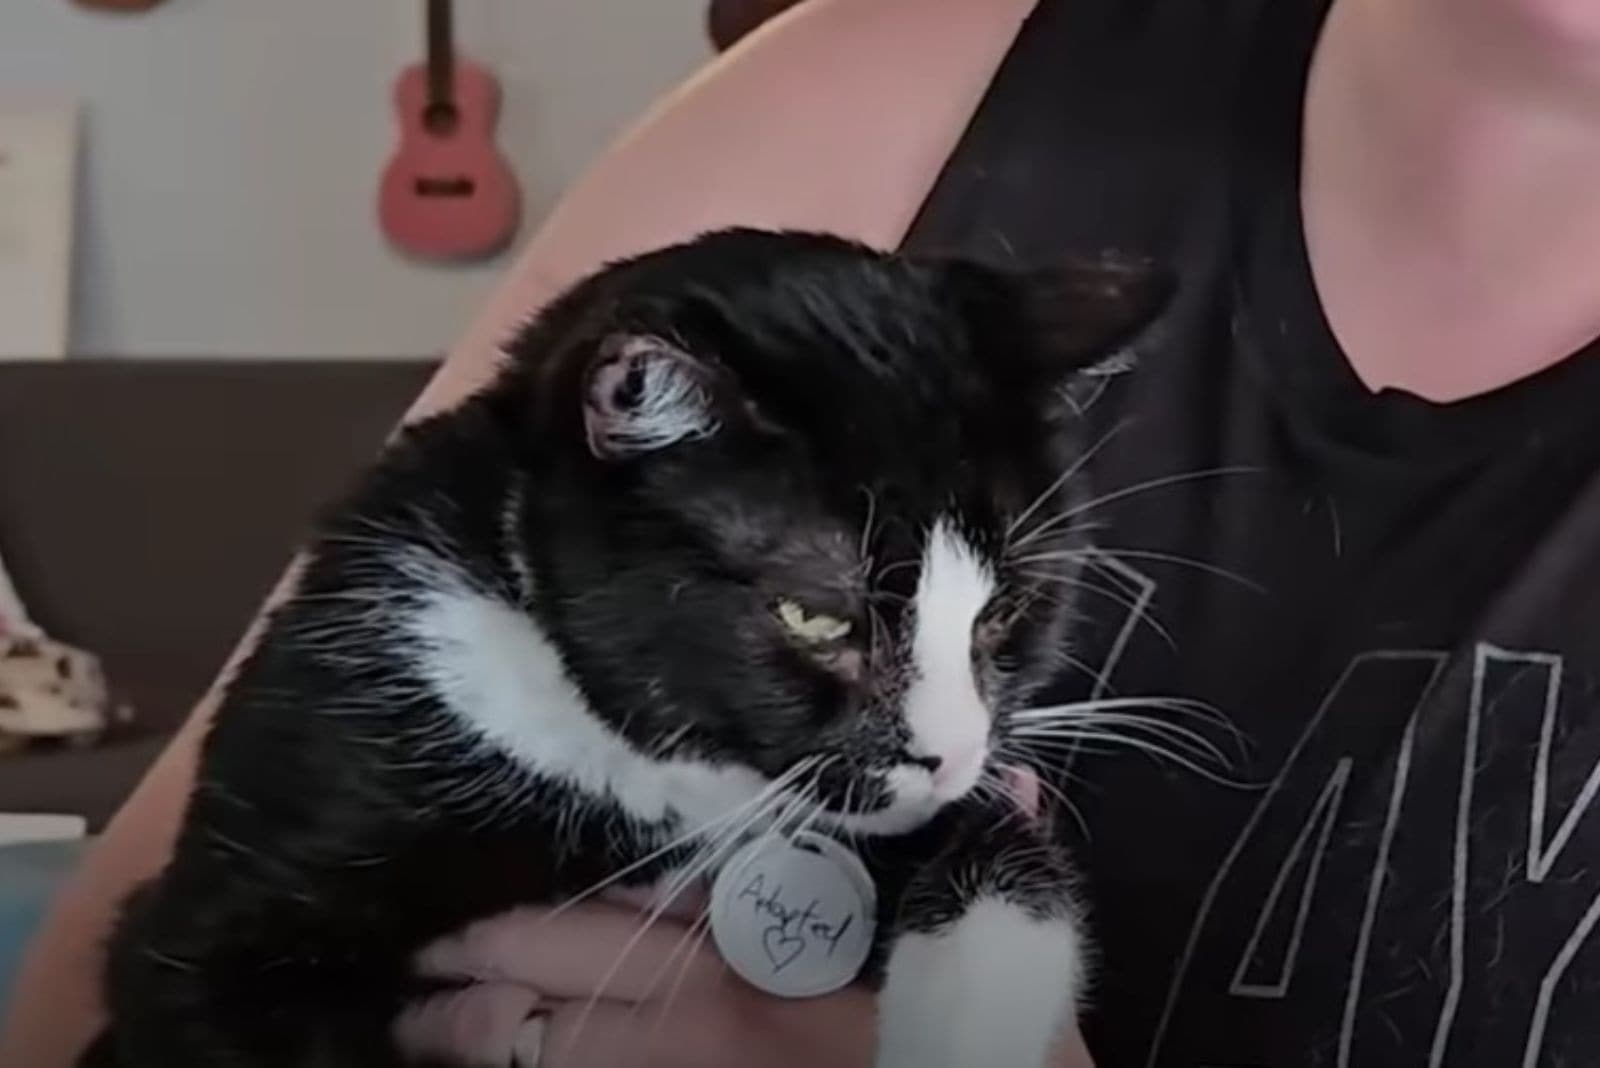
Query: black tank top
[{"x": 1395, "y": 602}]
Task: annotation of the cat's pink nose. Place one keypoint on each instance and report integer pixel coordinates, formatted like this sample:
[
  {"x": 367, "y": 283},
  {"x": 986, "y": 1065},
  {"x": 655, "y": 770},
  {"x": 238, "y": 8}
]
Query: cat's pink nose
[{"x": 956, "y": 765}]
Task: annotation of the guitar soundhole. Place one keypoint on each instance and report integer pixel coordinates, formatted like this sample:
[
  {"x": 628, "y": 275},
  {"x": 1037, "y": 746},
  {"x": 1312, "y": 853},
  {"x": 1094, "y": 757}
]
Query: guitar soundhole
[
  {"x": 441, "y": 119},
  {"x": 445, "y": 187}
]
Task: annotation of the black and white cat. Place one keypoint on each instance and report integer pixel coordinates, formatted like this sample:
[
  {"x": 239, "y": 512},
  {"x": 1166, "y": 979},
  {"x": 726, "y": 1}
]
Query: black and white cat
[{"x": 762, "y": 517}]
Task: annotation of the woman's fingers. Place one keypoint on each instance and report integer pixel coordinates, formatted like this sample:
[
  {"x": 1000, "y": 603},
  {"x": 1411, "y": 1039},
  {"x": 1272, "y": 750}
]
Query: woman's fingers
[
  {"x": 597, "y": 984},
  {"x": 510, "y": 1026},
  {"x": 580, "y": 1035},
  {"x": 479, "y": 1024},
  {"x": 591, "y": 951},
  {"x": 734, "y": 1027}
]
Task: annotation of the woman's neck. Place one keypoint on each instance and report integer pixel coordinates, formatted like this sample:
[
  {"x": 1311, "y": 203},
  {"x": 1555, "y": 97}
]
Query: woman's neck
[{"x": 1452, "y": 188}]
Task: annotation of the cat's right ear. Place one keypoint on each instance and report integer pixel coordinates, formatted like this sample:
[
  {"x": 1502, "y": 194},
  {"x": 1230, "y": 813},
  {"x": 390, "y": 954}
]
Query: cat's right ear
[{"x": 643, "y": 393}]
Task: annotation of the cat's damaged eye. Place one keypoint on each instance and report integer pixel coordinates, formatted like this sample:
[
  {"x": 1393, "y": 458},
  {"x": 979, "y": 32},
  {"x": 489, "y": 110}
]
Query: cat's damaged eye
[
  {"x": 810, "y": 628},
  {"x": 994, "y": 624}
]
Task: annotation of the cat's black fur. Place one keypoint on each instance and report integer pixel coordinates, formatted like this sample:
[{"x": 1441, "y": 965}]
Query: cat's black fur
[{"x": 344, "y": 817}]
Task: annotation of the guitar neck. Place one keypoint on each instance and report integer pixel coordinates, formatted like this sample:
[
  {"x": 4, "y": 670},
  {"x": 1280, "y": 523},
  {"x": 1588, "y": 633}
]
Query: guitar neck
[{"x": 441, "y": 53}]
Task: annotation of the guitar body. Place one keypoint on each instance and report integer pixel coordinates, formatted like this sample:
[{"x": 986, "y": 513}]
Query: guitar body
[{"x": 448, "y": 192}]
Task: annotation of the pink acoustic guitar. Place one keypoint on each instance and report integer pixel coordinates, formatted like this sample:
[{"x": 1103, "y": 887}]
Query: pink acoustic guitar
[{"x": 448, "y": 193}]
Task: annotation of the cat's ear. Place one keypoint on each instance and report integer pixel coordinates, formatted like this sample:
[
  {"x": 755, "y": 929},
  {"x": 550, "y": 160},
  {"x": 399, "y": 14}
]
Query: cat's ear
[
  {"x": 642, "y": 393},
  {"x": 1056, "y": 320},
  {"x": 1083, "y": 312}
]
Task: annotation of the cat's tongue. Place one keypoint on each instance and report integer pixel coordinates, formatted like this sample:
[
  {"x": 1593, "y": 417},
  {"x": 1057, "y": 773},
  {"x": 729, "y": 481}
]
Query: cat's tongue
[{"x": 1023, "y": 786}]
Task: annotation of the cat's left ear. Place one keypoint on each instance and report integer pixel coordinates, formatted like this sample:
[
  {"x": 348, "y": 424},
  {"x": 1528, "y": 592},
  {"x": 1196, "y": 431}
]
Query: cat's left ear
[
  {"x": 1063, "y": 318},
  {"x": 1083, "y": 312},
  {"x": 643, "y": 393}
]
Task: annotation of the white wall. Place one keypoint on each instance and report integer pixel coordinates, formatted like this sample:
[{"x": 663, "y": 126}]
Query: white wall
[{"x": 232, "y": 149}]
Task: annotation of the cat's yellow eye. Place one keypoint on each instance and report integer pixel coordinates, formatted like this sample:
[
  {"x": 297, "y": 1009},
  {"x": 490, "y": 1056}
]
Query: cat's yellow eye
[{"x": 811, "y": 628}]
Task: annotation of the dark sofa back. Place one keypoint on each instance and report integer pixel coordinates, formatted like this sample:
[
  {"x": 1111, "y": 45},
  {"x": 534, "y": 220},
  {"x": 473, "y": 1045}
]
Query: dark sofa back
[{"x": 146, "y": 508}]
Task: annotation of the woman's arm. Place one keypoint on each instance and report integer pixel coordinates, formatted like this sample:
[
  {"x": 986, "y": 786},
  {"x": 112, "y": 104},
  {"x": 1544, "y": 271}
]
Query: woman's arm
[{"x": 837, "y": 116}]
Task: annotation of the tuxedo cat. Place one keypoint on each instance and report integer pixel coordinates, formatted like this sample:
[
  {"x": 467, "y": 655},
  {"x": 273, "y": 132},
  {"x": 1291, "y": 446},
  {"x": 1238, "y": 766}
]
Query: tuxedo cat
[{"x": 762, "y": 523}]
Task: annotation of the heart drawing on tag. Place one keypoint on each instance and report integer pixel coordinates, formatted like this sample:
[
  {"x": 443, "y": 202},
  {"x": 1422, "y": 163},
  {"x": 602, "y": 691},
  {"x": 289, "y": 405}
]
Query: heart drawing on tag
[
  {"x": 794, "y": 917},
  {"x": 782, "y": 949}
]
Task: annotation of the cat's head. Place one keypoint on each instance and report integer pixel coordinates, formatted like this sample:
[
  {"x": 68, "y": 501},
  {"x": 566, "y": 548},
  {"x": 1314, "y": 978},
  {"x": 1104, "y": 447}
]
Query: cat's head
[{"x": 809, "y": 508}]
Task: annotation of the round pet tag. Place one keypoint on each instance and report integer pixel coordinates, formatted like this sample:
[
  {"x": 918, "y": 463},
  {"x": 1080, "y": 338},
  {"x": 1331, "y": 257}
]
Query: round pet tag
[{"x": 794, "y": 917}]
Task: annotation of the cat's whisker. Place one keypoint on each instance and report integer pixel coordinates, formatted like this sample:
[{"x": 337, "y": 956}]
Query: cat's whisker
[
  {"x": 1056, "y": 527},
  {"x": 1059, "y": 655},
  {"x": 1061, "y": 479},
  {"x": 1132, "y": 710},
  {"x": 784, "y": 802},
  {"x": 1089, "y": 556},
  {"x": 1181, "y": 560},
  {"x": 1132, "y": 720},
  {"x": 1124, "y": 577},
  {"x": 990, "y": 791},
  {"x": 1006, "y": 753},
  {"x": 877, "y": 640},
  {"x": 866, "y": 527},
  {"x": 816, "y": 783},
  {"x": 666, "y": 744},
  {"x": 987, "y": 786},
  {"x": 799, "y": 799},
  {"x": 699, "y": 831},
  {"x": 695, "y": 942},
  {"x": 1140, "y": 719},
  {"x": 805, "y": 825},
  {"x": 1059, "y": 533},
  {"x": 1127, "y": 705},
  {"x": 1140, "y": 611},
  {"x": 1068, "y": 804},
  {"x": 702, "y": 922},
  {"x": 684, "y": 941},
  {"x": 847, "y": 808},
  {"x": 703, "y": 862},
  {"x": 1183, "y": 705},
  {"x": 1037, "y": 747},
  {"x": 889, "y": 569},
  {"x": 1012, "y": 751},
  {"x": 1187, "y": 760},
  {"x": 1194, "y": 747},
  {"x": 1130, "y": 491}
]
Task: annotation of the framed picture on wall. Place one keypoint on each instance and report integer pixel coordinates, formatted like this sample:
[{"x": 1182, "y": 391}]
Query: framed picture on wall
[{"x": 38, "y": 180}]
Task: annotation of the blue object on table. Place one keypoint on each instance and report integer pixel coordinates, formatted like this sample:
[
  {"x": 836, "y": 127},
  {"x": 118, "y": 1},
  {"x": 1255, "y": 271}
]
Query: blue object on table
[{"x": 30, "y": 872}]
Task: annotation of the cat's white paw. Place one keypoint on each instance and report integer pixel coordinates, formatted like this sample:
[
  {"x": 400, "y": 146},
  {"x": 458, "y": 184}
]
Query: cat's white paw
[{"x": 995, "y": 988}]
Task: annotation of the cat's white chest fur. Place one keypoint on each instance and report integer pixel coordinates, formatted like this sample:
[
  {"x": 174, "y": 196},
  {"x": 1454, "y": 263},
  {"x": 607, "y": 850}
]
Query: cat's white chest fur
[{"x": 504, "y": 680}]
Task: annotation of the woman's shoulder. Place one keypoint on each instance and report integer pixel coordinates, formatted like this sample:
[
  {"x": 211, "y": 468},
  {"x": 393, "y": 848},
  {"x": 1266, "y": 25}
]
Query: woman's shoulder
[{"x": 836, "y": 116}]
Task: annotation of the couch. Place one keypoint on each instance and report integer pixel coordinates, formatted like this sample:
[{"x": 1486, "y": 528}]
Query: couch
[{"x": 147, "y": 507}]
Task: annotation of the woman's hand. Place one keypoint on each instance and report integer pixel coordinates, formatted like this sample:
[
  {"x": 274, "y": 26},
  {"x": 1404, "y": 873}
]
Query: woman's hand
[{"x": 590, "y": 985}]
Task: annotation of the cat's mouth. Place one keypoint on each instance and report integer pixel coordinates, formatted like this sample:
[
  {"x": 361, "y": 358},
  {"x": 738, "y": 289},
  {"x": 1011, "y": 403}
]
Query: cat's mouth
[
  {"x": 1003, "y": 783},
  {"x": 902, "y": 797}
]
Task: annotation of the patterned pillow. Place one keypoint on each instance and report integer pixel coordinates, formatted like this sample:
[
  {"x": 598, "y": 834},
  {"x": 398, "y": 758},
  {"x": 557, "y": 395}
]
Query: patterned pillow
[{"x": 51, "y": 690}]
